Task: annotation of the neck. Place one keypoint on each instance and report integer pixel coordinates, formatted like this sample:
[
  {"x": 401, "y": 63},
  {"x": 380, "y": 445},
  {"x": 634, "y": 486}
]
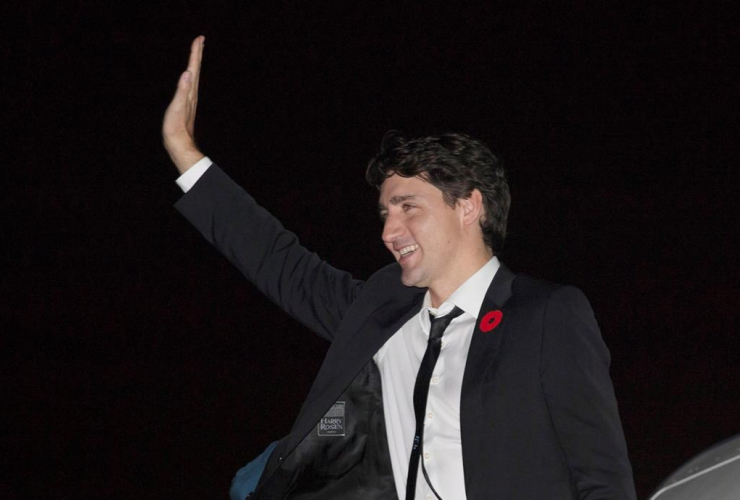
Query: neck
[{"x": 440, "y": 291}]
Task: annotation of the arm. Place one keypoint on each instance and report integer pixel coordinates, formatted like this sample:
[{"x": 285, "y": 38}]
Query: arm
[
  {"x": 297, "y": 280},
  {"x": 307, "y": 288},
  {"x": 580, "y": 399}
]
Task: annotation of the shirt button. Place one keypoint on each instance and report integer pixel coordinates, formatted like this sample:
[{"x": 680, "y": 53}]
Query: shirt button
[
  {"x": 442, "y": 344},
  {"x": 430, "y": 414},
  {"x": 435, "y": 380},
  {"x": 429, "y": 497},
  {"x": 426, "y": 456}
]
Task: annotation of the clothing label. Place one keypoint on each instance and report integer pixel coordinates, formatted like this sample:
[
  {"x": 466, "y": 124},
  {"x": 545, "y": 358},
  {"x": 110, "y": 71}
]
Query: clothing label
[{"x": 332, "y": 424}]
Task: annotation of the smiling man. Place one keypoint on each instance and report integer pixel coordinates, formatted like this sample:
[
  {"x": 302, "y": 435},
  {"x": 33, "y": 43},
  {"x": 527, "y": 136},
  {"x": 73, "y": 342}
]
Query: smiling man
[
  {"x": 433, "y": 211},
  {"x": 448, "y": 376}
]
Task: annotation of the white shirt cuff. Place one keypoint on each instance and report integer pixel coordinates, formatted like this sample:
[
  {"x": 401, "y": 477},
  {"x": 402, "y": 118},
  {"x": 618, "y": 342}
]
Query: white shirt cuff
[{"x": 191, "y": 175}]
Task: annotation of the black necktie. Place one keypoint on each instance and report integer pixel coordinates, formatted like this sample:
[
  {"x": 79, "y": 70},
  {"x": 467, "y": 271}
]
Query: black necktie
[{"x": 421, "y": 392}]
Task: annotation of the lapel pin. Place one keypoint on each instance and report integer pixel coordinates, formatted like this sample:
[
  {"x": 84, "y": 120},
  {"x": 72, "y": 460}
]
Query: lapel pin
[{"x": 491, "y": 320}]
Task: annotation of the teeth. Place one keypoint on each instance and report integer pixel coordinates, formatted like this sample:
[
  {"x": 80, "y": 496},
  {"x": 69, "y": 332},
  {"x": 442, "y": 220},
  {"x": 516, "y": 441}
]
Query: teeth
[{"x": 407, "y": 250}]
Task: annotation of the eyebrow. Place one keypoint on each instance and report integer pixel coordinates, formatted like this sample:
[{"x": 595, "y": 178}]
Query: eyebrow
[{"x": 396, "y": 200}]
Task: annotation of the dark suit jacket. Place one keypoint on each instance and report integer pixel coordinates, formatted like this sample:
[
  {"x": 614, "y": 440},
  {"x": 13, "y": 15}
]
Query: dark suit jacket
[{"x": 538, "y": 415}]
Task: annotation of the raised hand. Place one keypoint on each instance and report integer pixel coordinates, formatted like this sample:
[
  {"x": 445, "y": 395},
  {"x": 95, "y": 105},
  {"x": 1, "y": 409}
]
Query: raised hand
[{"x": 178, "y": 127}]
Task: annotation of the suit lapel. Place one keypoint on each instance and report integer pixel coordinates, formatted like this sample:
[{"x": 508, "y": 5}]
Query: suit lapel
[{"x": 489, "y": 331}]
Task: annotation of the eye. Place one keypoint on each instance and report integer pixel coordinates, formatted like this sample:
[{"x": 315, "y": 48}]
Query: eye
[
  {"x": 407, "y": 206},
  {"x": 383, "y": 215}
]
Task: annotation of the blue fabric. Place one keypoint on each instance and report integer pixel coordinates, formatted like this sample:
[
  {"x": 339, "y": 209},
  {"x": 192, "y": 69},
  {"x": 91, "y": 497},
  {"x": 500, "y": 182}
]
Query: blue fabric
[{"x": 246, "y": 479}]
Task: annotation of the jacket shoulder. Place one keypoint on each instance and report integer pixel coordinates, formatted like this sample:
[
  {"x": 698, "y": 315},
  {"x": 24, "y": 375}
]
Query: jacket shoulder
[
  {"x": 529, "y": 290},
  {"x": 385, "y": 286}
]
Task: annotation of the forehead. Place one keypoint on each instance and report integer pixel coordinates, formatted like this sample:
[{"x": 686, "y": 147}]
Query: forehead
[{"x": 396, "y": 188}]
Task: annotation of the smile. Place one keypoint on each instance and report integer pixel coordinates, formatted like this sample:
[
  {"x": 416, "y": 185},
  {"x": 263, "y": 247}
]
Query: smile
[{"x": 408, "y": 250}]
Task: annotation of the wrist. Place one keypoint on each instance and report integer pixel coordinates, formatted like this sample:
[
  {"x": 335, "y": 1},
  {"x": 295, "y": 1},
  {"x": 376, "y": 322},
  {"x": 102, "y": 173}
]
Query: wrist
[{"x": 184, "y": 158}]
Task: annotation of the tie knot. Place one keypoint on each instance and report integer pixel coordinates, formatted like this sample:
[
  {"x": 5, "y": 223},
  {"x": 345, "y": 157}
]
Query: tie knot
[{"x": 440, "y": 324}]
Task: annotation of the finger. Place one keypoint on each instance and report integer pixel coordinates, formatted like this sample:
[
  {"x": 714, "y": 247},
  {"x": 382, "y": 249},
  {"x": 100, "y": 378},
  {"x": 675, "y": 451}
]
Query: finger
[
  {"x": 196, "y": 52},
  {"x": 194, "y": 63}
]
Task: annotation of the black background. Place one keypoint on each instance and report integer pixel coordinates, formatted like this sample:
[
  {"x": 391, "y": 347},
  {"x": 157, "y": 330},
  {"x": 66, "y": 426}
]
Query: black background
[{"x": 136, "y": 363}]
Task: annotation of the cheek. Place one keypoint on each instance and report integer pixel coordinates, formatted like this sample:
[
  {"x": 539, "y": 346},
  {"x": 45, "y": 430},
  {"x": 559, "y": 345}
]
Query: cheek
[{"x": 416, "y": 230}]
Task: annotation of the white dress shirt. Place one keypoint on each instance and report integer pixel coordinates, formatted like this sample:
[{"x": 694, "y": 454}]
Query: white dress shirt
[
  {"x": 191, "y": 175},
  {"x": 399, "y": 360}
]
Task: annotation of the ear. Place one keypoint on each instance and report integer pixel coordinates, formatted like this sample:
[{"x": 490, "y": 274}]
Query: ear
[{"x": 472, "y": 207}]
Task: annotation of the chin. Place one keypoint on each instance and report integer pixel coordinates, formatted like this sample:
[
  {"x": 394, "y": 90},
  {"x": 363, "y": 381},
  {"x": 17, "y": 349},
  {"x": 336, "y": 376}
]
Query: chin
[{"x": 408, "y": 279}]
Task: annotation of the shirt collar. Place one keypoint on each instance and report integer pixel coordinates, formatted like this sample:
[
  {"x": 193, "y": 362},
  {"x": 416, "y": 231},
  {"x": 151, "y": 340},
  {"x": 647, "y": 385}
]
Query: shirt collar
[{"x": 468, "y": 297}]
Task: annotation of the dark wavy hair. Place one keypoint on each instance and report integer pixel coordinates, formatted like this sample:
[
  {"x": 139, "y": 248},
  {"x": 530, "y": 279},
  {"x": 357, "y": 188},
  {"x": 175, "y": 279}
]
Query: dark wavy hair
[{"x": 456, "y": 164}]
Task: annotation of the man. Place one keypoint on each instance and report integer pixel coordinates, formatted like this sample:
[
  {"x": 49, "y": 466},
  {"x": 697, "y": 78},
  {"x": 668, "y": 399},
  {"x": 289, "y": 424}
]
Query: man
[{"x": 510, "y": 399}]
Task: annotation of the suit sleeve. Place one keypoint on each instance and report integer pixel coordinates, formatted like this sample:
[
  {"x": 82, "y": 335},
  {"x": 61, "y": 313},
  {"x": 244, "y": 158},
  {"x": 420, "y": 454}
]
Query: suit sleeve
[
  {"x": 297, "y": 280},
  {"x": 581, "y": 401}
]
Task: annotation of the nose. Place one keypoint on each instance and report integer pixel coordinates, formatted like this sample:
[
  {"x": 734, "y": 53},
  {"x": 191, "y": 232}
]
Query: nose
[{"x": 392, "y": 229}]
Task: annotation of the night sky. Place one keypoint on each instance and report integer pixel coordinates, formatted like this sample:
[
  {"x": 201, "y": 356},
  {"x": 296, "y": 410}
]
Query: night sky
[{"x": 137, "y": 363}]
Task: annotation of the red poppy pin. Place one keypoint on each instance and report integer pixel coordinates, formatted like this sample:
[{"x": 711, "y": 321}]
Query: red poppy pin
[{"x": 491, "y": 320}]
